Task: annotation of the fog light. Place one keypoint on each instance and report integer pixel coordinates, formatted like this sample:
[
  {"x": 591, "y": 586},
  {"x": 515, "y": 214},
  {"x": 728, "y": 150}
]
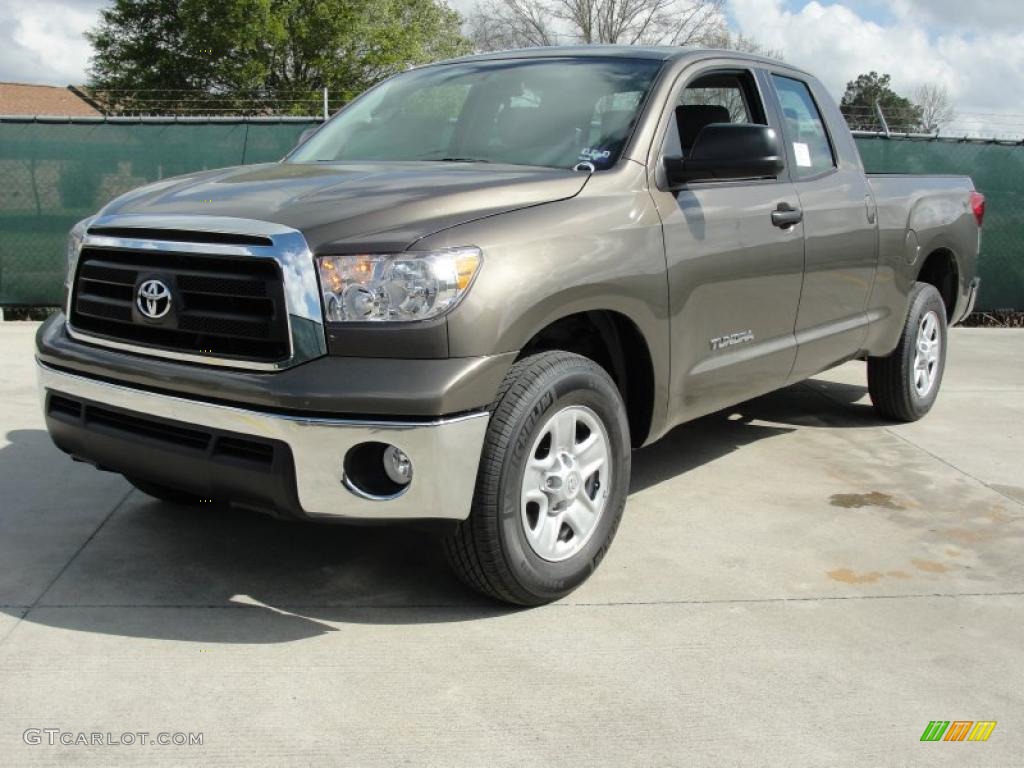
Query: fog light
[
  {"x": 376, "y": 471},
  {"x": 397, "y": 465}
]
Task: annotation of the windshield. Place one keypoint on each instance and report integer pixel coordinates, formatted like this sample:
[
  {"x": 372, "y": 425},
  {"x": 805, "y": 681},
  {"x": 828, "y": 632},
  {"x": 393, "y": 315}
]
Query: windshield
[{"x": 547, "y": 112}]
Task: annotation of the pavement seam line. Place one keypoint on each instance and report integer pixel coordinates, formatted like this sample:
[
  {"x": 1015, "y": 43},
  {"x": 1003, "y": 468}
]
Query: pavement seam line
[
  {"x": 614, "y": 603},
  {"x": 907, "y": 441},
  {"x": 67, "y": 565},
  {"x": 22, "y": 613},
  {"x": 964, "y": 472}
]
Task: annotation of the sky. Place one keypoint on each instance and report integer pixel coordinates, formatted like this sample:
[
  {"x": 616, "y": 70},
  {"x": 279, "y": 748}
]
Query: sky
[{"x": 975, "y": 49}]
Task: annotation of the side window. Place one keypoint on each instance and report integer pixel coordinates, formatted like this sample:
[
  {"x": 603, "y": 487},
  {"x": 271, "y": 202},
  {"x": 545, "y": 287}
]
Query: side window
[
  {"x": 718, "y": 97},
  {"x": 805, "y": 129},
  {"x": 724, "y": 91}
]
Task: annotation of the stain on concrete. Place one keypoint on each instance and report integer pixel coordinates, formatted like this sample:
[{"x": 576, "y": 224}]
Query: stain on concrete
[
  {"x": 847, "y": 576},
  {"x": 930, "y": 566},
  {"x": 861, "y": 500},
  {"x": 953, "y": 552},
  {"x": 998, "y": 515},
  {"x": 964, "y": 536}
]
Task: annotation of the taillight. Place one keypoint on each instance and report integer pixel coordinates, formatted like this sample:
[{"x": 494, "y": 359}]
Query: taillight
[{"x": 978, "y": 206}]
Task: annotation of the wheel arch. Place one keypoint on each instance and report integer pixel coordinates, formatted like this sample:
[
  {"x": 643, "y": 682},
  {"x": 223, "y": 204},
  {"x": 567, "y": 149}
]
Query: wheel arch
[
  {"x": 616, "y": 343},
  {"x": 941, "y": 269}
]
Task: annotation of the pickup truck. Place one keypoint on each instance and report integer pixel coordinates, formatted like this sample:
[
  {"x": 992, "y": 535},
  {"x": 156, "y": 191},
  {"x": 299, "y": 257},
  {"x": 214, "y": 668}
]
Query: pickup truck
[{"x": 467, "y": 296}]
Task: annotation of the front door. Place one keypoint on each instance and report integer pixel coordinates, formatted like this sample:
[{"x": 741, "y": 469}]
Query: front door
[{"x": 734, "y": 274}]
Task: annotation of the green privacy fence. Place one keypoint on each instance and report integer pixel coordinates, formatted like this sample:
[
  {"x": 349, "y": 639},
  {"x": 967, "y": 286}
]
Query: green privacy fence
[
  {"x": 998, "y": 172},
  {"x": 53, "y": 174}
]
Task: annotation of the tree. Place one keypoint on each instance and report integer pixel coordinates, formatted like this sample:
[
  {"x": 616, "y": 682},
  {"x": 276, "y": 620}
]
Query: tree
[
  {"x": 253, "y": 55},
  {"x": 502, "y": 24},
  {"x": 935, "y": 106},
  {"x": 728, "y": 41},
  {"x": 506, "y": 24},
  {"x": 866, "y": 94}
]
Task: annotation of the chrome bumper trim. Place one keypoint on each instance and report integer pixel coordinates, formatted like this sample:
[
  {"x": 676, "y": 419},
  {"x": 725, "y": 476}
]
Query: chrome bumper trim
[
  {"x": 445, "y": 452},
  {"x": 298, "y": 273}
]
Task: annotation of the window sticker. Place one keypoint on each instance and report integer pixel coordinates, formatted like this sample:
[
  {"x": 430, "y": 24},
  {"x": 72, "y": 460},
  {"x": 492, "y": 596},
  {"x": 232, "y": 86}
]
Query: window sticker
[
  {"x": 803, "y": 154},
  {"x": 595, "y": 154}
]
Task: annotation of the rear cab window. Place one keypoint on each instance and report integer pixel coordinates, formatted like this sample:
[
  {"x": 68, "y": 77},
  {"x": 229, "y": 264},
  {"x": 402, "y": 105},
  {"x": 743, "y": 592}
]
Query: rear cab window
[{"x": 808, "y": 140}]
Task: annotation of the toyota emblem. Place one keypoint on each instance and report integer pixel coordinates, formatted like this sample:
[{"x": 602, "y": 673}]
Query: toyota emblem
[{"x": 154, "y": 299}]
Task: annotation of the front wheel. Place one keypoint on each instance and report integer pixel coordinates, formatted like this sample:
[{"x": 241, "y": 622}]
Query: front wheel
[
  {"x": 552, "y": 483},
  {"x": 904, "y": 384}
]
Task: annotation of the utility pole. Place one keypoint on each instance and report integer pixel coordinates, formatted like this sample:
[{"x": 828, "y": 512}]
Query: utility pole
[{"x": 325, "y": 103}]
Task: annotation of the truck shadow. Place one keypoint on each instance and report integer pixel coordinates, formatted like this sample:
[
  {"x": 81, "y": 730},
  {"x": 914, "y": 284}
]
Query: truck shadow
[
  {"x": 815, "y": 403},
  {"x": 214, "y": 575}
]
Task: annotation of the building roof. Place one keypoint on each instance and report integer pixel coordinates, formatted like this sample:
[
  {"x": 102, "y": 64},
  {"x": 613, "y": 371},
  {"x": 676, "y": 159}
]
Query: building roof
[{"x": 30, "y": 99}]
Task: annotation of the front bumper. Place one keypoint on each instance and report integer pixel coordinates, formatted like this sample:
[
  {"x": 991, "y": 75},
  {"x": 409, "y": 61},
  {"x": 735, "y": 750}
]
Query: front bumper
[{"x": 285, "y": 463}]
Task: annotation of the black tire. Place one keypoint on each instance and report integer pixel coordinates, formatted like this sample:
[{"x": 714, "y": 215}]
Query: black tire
[
  {"x": 891, "y": 379},
  {"x": 170, "y": 495},
  {"x": 489, "y": 551}
]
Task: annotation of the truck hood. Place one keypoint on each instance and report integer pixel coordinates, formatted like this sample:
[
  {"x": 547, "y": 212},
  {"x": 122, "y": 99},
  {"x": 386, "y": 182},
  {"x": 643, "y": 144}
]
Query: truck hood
[{"x": 341, "y": 207}]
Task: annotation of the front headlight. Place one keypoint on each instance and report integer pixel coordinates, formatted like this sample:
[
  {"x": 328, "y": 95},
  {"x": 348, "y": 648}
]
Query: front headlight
[
  {"x": 395, "y": 286},
  {"x": 74, "y": 246}
]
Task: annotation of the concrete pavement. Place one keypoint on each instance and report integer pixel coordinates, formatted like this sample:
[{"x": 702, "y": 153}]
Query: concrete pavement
[{"x": 794, "y": 583}]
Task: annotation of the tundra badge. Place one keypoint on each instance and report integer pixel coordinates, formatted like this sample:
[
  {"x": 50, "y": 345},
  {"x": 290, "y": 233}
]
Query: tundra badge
[{"x": 721, "y": 342}]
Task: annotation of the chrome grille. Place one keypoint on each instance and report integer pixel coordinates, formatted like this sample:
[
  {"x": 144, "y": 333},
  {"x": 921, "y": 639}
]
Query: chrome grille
[{"x": 223, "y": 306}]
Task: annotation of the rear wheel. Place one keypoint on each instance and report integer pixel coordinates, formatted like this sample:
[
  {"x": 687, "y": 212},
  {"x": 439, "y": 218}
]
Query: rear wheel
[
  {"x": 552, "y": 483},
  {"x": 905, "y": 384}
]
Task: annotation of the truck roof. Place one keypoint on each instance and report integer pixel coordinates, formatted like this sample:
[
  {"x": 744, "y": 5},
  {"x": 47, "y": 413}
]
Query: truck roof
[{"x": 656, "y": 52}]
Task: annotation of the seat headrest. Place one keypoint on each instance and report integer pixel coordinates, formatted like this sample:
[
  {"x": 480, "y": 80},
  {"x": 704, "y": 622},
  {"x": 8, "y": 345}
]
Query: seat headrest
[
  {"x": 691, "y": 119},
  {"x": 615, "y": 122}
]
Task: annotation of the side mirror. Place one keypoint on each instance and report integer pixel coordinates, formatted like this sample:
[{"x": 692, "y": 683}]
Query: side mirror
[
  {"x": 727, "y": 151},
  {"x": 306, "y": 134}
]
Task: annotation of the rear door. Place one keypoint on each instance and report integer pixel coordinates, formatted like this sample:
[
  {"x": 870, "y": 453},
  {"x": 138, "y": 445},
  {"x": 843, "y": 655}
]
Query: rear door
[
  {"x": 841, "y": 240},
  {"x": 734, "y": 277}
]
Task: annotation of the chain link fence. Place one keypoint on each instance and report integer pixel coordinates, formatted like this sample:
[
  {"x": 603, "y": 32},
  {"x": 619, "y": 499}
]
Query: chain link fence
[
  {"x": 194, "y": 103},
  {"x": 54, "y": 173}
]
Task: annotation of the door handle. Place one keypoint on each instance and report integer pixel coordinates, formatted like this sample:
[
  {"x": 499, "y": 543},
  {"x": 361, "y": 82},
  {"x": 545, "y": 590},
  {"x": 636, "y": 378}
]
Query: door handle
[{"x": 786, "y": 216}]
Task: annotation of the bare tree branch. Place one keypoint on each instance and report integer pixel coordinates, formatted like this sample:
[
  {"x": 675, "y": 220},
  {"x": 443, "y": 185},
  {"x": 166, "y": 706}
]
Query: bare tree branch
[
  {"x": 496, "y": 24},
  {"x": 726, "y": 40},
  {"x": 503, "y": 24},
  {"x": 936, "y": 108}
]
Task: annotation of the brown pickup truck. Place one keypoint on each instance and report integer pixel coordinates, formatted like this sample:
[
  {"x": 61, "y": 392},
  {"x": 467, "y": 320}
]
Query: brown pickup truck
[{"x": 472, "y": 292}]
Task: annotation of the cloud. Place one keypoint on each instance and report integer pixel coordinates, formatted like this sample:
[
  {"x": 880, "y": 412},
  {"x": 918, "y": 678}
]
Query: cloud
[
  {"x": 42, "y": 42},
  {"x": 464, "y": 7},
  {"x": 981, "y": 68},
  {"x": 956, "y": 14}
]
